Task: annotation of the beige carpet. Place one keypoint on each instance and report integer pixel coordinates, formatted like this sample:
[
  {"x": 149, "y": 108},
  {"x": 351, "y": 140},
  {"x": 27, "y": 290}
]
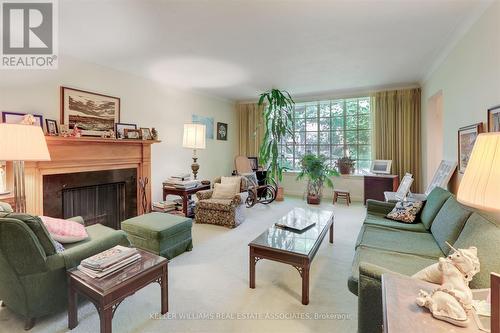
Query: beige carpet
[{"x": 208, "y": 287}]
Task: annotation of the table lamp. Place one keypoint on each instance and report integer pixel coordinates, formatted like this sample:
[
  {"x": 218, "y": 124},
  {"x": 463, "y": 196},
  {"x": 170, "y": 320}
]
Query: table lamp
[
  {"x": 20, "y": 143},
  {"x": 194, "y": 138},
  {"x": 480, "y": 185}
]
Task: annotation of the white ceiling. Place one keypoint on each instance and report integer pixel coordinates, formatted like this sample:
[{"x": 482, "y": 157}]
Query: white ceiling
[{"x": 237, "y": 49}]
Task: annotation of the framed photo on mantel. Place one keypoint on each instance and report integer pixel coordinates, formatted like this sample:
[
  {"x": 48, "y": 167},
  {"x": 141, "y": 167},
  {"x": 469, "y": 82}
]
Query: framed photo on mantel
[{"x": 94, "y": 114}]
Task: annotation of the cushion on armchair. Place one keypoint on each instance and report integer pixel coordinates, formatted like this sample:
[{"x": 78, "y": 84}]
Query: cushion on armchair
[
  {"x": 225, "y": 191},
  {"x": 64, "y": 231}
]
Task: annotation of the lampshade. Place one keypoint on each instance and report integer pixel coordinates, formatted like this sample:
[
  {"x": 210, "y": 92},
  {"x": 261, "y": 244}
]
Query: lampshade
[
  {"x": 194, "y": 136},
  {"x": 480, "y": 186},
  {"x": 22, "y": 143}
]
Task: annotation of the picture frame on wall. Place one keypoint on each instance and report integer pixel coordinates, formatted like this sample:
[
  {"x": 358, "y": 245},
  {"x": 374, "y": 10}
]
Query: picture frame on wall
[
  {"x": 494, "y": 119},
  {"x": 17, "y": 118},
  {"x": 51, "y": 126},
  {"x": 93, "y": 113},
  {"x": 222, "y": 131},
  {"x": 466, "y": 139},
  {"x": 121, "y": 127},
  {"x": 146, "y": 133}
]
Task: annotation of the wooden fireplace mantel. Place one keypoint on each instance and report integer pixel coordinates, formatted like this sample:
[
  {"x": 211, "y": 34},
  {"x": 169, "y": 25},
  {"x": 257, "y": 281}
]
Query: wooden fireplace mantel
[{"x": 70, "y": 155}]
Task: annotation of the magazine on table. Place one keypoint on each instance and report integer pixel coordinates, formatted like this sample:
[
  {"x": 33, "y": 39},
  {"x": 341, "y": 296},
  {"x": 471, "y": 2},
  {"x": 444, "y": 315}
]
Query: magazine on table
[
  {"x": 295, "y": 224},
  {"x": 111, "y": 269},
  {"x": 109, "y": 257}
]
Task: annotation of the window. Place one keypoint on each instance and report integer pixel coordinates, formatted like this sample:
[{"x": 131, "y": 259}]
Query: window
[{"x": 330, "y": 128}]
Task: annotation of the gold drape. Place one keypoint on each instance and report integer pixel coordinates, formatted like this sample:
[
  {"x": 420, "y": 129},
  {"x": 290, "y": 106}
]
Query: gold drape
[
  {"x": 397, "y": 131},
  {"x": 251, "y": 123}
]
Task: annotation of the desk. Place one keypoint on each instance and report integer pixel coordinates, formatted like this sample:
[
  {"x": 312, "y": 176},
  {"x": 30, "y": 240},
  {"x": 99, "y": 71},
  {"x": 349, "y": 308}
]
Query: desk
[{"x": 376, "y": 185}]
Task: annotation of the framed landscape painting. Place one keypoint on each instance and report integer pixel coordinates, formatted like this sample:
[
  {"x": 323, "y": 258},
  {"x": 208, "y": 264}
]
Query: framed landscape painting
[
  {"x": 466, "y": 139},
  {"x": 94, "y": 114},
  {"x": 494, "y": 119}
]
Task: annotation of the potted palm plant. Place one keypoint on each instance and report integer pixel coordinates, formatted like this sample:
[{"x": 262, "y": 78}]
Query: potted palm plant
[
  {"x": 318, "y": 173},
  {"x": 278, "y": 124}
]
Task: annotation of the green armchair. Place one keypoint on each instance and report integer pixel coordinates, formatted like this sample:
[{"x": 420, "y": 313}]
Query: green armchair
[{"x": 32, "y": 273}]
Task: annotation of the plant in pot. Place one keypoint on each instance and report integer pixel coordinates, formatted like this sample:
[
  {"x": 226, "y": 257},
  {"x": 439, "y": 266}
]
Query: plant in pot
[
  {"x": 318, "y": 173},
  {"x": 345, "y": 165},
  {"x": 278, "y": 125}
]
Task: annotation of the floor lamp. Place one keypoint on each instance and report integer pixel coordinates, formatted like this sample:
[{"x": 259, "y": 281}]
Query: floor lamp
[
  {"x": 20, "y": 143},
  {"x": 194, "y": 138}
]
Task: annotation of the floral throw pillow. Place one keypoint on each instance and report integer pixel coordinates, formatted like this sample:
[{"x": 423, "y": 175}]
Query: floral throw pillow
[{"x": 405, "y": 211}]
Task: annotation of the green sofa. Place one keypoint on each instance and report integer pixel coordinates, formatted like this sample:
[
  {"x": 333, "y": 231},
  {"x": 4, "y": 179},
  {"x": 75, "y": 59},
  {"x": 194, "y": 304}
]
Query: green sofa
[
  {"x": 386, "y": 246},
  {"x": 32, "y": 273}
]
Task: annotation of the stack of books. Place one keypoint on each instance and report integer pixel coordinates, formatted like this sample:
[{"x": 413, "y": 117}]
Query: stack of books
[
  {"x": 109, "y": 261},
  {"x": 164, "y": 206},
  {"x": 181, "y": 182}
]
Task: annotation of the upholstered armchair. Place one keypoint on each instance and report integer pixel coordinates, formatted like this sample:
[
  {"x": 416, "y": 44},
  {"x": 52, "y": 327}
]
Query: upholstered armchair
[
  {"x": 32, "y": 273},
  {"x": 226, "y": 212}
]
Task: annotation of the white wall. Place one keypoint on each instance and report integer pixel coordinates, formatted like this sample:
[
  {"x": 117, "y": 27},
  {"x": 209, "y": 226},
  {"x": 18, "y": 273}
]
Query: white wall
[
  {"x": 353, "y": 183},
  {"x": 143, "y": 102},
  {"x": 470, "y": 81}
]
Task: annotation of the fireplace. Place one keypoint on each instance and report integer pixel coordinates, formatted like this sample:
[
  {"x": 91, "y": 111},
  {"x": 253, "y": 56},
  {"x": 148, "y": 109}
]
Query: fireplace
[{"x": 107, "y": 197}]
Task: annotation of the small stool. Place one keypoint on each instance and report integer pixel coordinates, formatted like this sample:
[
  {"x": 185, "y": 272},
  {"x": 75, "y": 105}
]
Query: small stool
[
  {"x": 163, "y": 234},
  {"x": 343, "y": 194}
]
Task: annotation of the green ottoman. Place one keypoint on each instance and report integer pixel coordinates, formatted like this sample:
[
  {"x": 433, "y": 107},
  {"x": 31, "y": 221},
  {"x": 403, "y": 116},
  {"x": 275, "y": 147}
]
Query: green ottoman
[{"x": 162, "y": 234}]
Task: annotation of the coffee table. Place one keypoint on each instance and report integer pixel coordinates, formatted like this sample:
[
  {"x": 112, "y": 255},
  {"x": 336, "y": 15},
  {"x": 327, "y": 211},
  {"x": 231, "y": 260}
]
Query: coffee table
[
  {"x": 293, "y": 248},
  {"x": 107, "y": 293}
]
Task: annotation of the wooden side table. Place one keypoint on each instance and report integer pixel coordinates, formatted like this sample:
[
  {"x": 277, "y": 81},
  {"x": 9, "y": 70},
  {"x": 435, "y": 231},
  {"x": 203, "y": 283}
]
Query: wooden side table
[
  {"x": 402, "y": 314},
  {"x": 184, "y": 194},
  {"x": 107, "y": 293}
]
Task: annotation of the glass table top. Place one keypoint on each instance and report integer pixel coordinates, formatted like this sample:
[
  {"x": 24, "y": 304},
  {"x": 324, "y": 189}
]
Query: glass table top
[
  {"x": 148, "y": 261},
  {"x": 291, "y": 241}
]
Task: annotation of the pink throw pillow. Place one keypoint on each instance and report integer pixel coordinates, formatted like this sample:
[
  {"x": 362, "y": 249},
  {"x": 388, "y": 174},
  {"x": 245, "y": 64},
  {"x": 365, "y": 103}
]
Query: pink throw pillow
[{"x": 64, "y": 231}]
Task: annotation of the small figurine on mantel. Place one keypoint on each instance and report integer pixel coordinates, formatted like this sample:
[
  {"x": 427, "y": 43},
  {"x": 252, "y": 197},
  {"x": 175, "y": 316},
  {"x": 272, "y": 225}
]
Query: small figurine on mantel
[
  {"x": 154, "y": 133},
  {"x": 76, "y": 132},
  {"x": 108, "y": 135},
  {"x": 65, "y": 132}
]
